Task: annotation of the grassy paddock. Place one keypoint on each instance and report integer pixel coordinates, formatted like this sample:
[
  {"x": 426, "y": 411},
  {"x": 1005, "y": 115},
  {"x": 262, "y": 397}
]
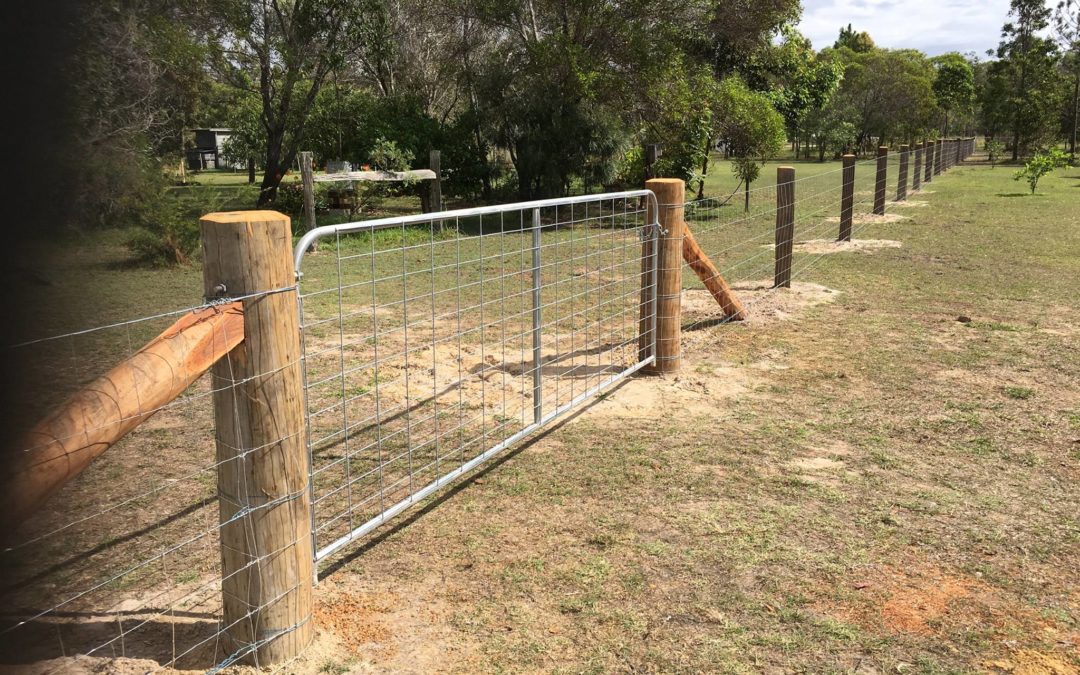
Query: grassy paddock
[
  {"x": 892, "y": 490},
  {"x": 871, "y": 484}
]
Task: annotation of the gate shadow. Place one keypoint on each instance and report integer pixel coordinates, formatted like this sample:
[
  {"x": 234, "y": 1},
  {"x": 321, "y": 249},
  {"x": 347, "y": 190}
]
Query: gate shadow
[{"x": 342, "y": 562}]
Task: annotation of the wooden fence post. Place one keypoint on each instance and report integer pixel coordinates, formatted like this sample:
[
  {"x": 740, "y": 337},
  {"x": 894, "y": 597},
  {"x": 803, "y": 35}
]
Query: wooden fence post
[
  {"x": 435, "y": 164},
  {"x": 917, "y": 166},
  {"x": 937, "y": 157},
  {"x": 652, "y": 154},
  {"x": 435, "y": 189},
  {"x": 880, "y": 184},
  {"x": 265, "y": 507},
  {"x": 308, "y": 178},
  {"x": 901, "y": 180},
  {"x": 959, "y": 152},
  {"x": 847, "y": 198},
  {"x": 785, "y": 225},
  {"x": 928, "y": 175},
  {"x": 670, "y": 197}
]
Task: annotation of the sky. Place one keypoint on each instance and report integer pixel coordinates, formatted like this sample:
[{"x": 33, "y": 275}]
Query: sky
[{"x": 933, "y": 26}]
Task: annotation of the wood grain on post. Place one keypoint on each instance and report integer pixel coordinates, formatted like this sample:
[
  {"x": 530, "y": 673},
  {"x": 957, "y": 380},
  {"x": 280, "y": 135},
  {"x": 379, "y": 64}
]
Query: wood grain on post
[
  {"x": 917, "y": 169},
  {"x": 880, "y": 184},
  {"x": 710, "y": 276},
  {"x": 901, "y": 178},
  {"x": 670, "y": 196},
  {"x": 847, "y": 198},
  {"x": 266, "y": 546},
  {"x": 928, "y": 175},
  {"x": 937, "y": 157},
  {"x": 785, "y": 225},
  {"x": 307, "y": 176},
  {"x": 63, "y": 444}
]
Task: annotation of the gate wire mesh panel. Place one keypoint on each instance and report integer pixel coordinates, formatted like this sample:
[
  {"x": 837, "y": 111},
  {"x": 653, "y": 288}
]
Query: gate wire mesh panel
[
  {"x": 431, "y": 344},
  {"x": 738, "y": 231},
  {"x": 120, "y": 570}
]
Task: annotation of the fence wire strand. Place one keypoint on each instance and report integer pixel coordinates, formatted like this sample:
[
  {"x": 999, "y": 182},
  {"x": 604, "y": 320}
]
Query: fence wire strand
[{"x": 426, "y": 349}]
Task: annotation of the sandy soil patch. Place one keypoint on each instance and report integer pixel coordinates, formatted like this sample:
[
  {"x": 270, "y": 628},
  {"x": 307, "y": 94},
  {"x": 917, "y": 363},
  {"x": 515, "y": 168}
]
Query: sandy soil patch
[
  {"x": 910, "y": 204},
  {"x": 1031, "y": 662},
  {"x": 870, "y": 218},
  {"x": 826, "y": 246},
  {"x": 764, "y": 305}
]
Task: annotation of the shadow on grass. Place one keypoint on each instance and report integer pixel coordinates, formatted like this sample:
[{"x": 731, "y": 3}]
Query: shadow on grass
[
  {"x": 1019, "y": 194},
  {"x": 343, "y": 562}
]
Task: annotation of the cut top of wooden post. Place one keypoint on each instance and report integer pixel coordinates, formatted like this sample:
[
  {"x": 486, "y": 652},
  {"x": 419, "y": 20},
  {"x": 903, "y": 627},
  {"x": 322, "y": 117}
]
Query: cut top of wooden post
[{"x": 262, "y": 243}]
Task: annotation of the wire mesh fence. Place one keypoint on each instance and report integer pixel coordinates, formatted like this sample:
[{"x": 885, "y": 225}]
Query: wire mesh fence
[
  {"x": 738, "y": 231},
  {"x": 122, "y": 562},
  {"x": 430, "y": 344},
  {"x": 433, "y": 343}
]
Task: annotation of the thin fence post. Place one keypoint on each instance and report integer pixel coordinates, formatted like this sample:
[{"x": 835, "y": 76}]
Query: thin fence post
[
  {"x": 785, "y": 225},
  {"x": 307, "y": 176},
  {"x": 435, "y": 189},
  {"x": 880, "y": 183},
  {"x": 928, "y": 173},
  {"x": 267, "y": 568},
  {"x": 901, "y": 180},
  {"x": 670, "y": 197},
  {"x": 959, "y": 151},
  {"x": 847, "y": 198},
  {"x": 937, "y": 157},
  {"x": 917, "y": 166}
]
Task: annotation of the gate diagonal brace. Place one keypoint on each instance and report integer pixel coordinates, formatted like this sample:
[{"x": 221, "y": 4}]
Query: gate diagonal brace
[{"x": 711, "y": 278}]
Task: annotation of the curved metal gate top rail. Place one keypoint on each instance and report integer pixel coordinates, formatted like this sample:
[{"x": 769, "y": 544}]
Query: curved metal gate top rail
[{"x": 433, "y": 342}]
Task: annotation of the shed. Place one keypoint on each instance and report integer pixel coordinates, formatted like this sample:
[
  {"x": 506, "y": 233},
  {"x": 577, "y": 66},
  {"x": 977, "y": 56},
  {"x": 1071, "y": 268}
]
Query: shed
[{"x": 208, "y": 152}]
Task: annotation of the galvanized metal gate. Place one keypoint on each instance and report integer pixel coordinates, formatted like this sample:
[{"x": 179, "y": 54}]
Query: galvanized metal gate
[{"x": 434, "y": 342}]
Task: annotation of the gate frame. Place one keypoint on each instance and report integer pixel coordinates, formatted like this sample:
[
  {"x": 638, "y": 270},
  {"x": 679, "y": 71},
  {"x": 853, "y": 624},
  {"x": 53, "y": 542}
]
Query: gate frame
[{"x": 649, "y": 232}]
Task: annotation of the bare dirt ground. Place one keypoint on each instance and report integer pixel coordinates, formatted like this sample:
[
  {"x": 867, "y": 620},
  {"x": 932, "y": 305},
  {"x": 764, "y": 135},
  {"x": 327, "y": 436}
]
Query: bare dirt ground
[{"x": 825, "y": 246}]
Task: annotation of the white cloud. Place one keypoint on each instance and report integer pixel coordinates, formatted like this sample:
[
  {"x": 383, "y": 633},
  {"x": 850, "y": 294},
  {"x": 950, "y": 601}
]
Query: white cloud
[{"x": 934, "y": 26}]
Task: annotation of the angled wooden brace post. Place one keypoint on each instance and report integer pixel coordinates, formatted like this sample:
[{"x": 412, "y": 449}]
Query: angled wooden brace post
[
  {"x": 62, "y": 445},
  {"x": 711, "y": 277}
]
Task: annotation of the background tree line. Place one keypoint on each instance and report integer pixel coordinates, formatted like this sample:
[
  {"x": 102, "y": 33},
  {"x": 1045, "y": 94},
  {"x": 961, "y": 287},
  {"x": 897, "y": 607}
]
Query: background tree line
[{"x": 526, "y": 98}]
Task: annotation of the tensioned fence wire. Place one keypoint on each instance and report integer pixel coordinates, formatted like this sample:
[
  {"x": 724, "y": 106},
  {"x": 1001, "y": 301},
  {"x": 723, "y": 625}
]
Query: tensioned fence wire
[
  {"x": 124, "y": 561},
  {"x": 431, "y": 345},
  {"x": 738, "y": 233},
  {"x": 123, "y": 565}
]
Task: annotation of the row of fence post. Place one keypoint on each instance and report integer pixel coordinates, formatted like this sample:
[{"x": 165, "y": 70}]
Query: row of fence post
[
  {"x": 940, "y": 155},
  {"x": 266, "y": 546}
]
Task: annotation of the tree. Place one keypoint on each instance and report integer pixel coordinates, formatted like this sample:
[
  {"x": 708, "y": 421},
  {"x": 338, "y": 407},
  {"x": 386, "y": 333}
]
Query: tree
[
  {"x": 954, "y": 86},
  {"x": 750, "y": 126},
  {"x": 858, "y": 42},
  {"x": 796, "y": 80},
  {"x": 994, "y": 150},
  {"x": 1041, "y": 164},
  {"x": 1067, "y": 24},
  {"x": 283, "y": 51},
  {"x": 886, "y": 94},
  {"x": 1029, "y": 63},
  {"x": 247, "y": 142}
]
